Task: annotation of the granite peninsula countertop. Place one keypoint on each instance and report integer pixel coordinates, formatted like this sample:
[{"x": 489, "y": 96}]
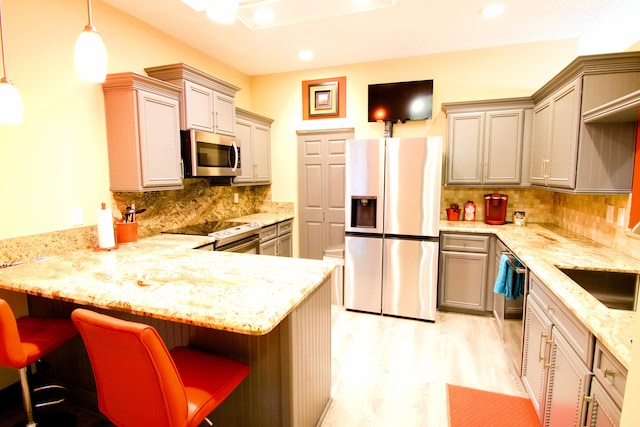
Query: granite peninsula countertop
[
  {"x": 542, "y": 247},
  {"x": 164, "y": 277}
]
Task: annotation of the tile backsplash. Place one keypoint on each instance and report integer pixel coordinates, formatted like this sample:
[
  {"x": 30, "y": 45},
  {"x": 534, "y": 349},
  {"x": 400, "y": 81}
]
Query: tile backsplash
[{"x": 585, "y": 215}]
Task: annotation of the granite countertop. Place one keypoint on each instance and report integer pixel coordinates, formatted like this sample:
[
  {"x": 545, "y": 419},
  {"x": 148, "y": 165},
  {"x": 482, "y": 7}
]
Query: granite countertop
[
  {"x": 164, "y": 277},
  {"x": 266, "y": 219},
  {"x": 542, "y": 247}
]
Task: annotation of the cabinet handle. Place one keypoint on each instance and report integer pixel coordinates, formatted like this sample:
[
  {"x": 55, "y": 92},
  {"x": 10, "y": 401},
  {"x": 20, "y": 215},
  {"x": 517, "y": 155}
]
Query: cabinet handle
[
  {"x": 609, "y": 373},
  {"x": 541, "y": 349},
  {"x": 215, "y": 120},
  {"x": 551, "y": 308}
]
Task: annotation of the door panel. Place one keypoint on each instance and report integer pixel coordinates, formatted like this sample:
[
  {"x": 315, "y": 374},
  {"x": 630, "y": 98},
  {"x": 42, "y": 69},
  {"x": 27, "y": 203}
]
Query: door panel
[
  {"x": 364, "y": 256},
  {"x": 410, "y": 278},
  {"x": 413, "y": 183},
  {"x": 321, "y": 186}
]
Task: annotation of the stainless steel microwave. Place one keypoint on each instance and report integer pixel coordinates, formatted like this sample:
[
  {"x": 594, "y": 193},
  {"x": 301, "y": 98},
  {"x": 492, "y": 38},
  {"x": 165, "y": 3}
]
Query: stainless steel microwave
[{"x": 206, "y": 154}]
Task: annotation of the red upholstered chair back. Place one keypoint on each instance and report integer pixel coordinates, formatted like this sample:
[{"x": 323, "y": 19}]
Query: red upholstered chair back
[
  {"x": 137, "y": 382},
  {"x": 12, "y": 354}
]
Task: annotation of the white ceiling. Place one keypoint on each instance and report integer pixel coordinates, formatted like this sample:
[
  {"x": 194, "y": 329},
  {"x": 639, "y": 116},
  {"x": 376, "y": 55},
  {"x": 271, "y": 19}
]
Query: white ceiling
[{"x": 410, "y": 28}]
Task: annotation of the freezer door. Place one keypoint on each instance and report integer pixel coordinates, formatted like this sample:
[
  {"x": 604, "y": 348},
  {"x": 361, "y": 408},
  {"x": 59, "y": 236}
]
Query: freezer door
[
  {"x": 364, "y": 180},
  {"x": 410, "y": 278},
  {"x": 413, "y": 181},
  {"x": 363, "y": 273}
]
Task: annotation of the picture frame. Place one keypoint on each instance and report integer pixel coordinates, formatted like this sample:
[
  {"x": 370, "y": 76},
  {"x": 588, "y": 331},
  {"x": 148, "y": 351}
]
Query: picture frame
[{"x": 324, "y": 98}]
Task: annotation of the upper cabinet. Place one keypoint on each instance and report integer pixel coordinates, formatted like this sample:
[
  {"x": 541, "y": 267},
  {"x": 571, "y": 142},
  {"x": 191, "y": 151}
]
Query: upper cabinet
[
  {"x": 486, "y": 141},
  {"x": 207, "y": 103},
  {"x": 254, "y": 133},
  {"x": 570, "y": 150},
  {"x": 143, "y": 133}
]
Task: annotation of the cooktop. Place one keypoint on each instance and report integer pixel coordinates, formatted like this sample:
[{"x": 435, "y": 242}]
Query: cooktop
[{"x": 202, "y": 229}]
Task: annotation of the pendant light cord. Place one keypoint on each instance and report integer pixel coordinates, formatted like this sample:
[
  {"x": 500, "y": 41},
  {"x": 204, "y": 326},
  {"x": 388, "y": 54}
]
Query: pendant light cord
[
  {"x": 4, "y": 63},
  {"x": 89, "y": 12}
]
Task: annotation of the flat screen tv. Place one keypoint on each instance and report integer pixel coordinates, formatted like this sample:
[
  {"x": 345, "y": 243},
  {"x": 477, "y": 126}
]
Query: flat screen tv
[{"x": 401, "y": 101}]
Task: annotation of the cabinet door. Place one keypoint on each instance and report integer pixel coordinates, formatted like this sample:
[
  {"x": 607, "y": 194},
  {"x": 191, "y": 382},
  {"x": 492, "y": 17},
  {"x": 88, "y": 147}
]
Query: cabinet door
[
  {"x": 563, "y": 150},
  {"x": 199, "y": 108},
  {"x": 537, "y": 338},
  {"x": 463, "y": 280},
  {"x": 224, "y": 111},
  {"x": 159, "y": 121},
  {"x": 503, "y": 146},
  {"x": 465, "y": 149},
  {"x": 603, "y": 412},
  {"x": 540, "y": 142},
  {"x": 262, "y": 154},
  {"x": 269, "y": 248},
  {"x": 244, "y": 132},
  {"x": 285, "y": 245},
  {"x": 568, "y": 384}
]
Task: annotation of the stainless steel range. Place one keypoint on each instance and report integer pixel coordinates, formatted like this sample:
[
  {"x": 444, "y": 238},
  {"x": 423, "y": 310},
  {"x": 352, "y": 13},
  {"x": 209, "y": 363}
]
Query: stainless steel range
[{"x": 229, "y": 236}]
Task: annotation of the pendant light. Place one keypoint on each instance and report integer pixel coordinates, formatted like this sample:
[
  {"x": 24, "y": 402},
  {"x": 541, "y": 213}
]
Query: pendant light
[
  {"x": 11, "y": 107},
  {"x": 90, "y": 56}
]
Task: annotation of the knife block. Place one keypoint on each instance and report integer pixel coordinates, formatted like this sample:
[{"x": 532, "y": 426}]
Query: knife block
[{"x": 126, "y": 232}]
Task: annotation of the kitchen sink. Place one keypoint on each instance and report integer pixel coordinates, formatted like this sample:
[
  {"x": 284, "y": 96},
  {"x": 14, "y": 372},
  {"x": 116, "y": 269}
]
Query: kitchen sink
[{"x": 615, "y": 289}]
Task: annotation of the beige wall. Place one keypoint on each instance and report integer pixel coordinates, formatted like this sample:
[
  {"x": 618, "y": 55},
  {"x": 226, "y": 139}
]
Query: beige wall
[
  {"x": 57, "y": 159},
  {"x": 510, "y": 71}
]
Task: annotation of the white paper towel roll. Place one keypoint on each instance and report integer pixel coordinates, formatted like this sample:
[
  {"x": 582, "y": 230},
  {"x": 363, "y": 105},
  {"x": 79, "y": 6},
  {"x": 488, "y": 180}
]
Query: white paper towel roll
[{"x": 105, "y": 229}]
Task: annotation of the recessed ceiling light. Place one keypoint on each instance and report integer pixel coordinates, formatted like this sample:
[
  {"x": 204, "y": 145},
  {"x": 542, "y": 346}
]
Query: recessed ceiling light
[
  {"x": 305, "y": 55},
  {"x": 493, "y": 10}
]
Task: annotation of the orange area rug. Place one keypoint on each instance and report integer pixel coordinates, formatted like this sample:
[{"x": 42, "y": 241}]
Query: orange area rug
[{"x": 469, "y": 407}]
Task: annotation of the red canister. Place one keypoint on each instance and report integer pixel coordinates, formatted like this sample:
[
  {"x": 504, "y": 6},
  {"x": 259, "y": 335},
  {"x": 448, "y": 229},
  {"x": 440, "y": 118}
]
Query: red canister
[{"x": 469, "y": 211}]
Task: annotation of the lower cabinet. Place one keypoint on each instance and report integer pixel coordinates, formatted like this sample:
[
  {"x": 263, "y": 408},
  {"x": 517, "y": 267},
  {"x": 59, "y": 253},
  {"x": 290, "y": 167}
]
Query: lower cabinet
[
  {"x": 464, "y": 266},
  {"x": 607, "y": 389},
  {"x": 556, "y": 359},
  {"x": 276, "y": 240}
]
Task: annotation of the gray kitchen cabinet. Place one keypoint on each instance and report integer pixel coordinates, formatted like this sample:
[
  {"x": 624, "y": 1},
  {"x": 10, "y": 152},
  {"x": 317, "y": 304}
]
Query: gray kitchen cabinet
[
  {"x": 276, "y": 240},
  {"x": 603, "y": 412},
  {"x": 207, "y": 103},
  {"x": 485, "y": 141},
  {"x": 143, "y": 133},
  {"x": 570, "y": 155},
  {"x": 557, "y": 356},
  {"x": 463, "y": 278},
  {"x": 254, "y": 132},
  {"x": 607, "y": 389}
]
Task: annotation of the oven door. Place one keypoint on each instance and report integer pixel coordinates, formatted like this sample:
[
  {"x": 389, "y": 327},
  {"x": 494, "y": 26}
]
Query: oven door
[{"x": 248, "y": 245}]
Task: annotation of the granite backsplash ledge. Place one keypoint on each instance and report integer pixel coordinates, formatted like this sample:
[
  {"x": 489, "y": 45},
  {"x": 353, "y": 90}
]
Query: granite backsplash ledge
[{"x": 197, "y": 202}]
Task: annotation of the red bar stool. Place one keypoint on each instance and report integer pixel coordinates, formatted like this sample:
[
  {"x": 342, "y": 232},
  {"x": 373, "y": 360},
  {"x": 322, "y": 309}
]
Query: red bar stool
[
  {"x": 140, "y": 383},
  {"x": 25, "y": 340}
]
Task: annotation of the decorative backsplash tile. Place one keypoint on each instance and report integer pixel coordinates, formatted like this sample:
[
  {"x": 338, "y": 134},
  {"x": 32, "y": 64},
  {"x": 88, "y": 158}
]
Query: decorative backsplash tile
[{"x": 585, "y": 215}]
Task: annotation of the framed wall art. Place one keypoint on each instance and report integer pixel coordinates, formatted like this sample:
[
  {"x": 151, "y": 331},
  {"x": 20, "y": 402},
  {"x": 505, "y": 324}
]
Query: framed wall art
[{"x": 324, "y": 98}]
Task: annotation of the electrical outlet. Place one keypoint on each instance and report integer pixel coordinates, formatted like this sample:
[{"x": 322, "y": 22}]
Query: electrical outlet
[
  {"x": 610, "y": 211},
  {"x": 621, "y": 216},
  {"x": 235, "y": 197},
  {"x": 77, "y": 218}
]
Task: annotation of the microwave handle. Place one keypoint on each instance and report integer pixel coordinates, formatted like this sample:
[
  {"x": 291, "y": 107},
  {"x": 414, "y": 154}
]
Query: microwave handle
[{"x": 237, "y": 155}]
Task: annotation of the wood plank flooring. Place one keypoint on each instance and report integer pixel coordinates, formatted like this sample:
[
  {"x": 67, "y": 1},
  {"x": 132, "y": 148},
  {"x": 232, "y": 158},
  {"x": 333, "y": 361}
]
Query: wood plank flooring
[{"x": 388, "y": 371}]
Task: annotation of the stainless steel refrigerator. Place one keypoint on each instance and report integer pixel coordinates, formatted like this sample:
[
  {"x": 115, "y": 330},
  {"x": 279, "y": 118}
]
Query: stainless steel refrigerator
[{"x": 391, "y": 226}]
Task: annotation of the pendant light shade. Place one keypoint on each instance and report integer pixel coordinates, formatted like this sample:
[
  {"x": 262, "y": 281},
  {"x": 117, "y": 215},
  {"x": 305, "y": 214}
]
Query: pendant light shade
[
  {"x": 90, "y": 55},
  {"x": 11, "y": 107}
]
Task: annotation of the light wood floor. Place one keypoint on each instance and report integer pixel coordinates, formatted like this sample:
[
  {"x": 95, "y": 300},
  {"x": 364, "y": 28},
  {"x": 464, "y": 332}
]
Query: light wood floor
[{"x": 388, "y": 371}]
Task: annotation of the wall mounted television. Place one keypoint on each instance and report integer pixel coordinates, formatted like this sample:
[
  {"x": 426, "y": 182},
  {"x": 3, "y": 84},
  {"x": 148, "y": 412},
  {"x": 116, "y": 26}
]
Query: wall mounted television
[{"x": 400, "y": 101}]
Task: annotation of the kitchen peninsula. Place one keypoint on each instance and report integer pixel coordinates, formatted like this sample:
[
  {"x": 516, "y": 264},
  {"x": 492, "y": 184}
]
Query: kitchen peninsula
[{"x": 273, "y": 313}]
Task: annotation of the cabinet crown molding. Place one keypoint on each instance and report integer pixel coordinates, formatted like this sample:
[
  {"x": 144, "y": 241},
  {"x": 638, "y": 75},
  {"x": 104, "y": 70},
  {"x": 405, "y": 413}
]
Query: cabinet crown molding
[
  {"x": 486, "y": 105},
  {"x": 250, "y": 115},
  {"x": 590, "y": 64},
  {"x": 130, "y": 80},
  {"x": 182, "y": 71}
]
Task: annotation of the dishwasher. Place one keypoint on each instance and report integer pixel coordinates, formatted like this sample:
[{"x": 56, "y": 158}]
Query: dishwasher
[{"x": 510, "y": 313}]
